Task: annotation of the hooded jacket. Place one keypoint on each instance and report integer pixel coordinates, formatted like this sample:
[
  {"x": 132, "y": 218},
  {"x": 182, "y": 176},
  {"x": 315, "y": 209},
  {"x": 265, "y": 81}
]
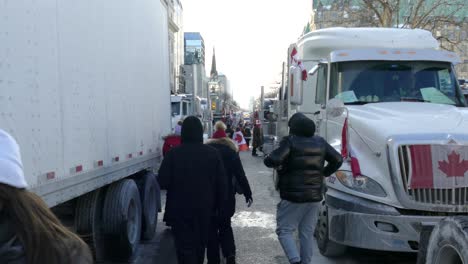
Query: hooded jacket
[
  {"x": 194, "y": 176},
  {"x": 233, "y": 168},
  {"x": 302, "y": 157}
]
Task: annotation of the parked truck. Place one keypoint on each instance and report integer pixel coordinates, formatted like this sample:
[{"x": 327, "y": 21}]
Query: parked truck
[
  {"x": 389, "y": 101},
  {"x": 84, "y": 89}
]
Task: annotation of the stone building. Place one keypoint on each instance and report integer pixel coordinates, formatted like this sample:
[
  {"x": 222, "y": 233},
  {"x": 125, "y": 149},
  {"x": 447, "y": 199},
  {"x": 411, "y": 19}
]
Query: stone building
[
  {"x": 176, "y": 43},
  {"x": 353, "y": 13}
]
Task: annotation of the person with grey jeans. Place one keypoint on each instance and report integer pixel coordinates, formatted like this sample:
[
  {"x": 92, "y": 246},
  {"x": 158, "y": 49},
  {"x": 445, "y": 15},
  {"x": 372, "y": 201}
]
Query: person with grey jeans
[{"x": 300, "y": 162}]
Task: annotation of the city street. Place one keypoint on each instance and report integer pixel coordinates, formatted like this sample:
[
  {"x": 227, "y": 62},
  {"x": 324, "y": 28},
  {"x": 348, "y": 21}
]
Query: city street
[{"x": 254, "y": 229}]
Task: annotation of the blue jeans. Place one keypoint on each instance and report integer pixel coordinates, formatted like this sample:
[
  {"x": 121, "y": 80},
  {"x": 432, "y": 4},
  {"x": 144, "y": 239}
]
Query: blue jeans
[{"x": 301, "y": 217}]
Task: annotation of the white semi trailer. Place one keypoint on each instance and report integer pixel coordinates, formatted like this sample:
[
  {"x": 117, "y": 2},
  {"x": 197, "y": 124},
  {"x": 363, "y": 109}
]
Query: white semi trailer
[
  {"x": 389, "y": 101},
  {"x": 84, "y": 89}
]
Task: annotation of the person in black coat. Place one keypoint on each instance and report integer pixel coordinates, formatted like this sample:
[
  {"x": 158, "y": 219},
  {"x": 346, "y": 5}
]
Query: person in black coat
[
  {"x": 194, "y": 175},
  {"x": 229, "y": 131},
  {"x": 247, "y": 134},
  {"x": 300, "y": 160},
  {"x": 221, "y": 233}
]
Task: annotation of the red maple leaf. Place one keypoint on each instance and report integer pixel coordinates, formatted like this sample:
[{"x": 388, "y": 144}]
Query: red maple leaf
[
  {"x": 454, "y": 167},
  {"x": 238, "y": 138}
]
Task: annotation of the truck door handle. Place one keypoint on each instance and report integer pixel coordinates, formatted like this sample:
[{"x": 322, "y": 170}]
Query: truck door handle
[{"x": 317, "y": 113}]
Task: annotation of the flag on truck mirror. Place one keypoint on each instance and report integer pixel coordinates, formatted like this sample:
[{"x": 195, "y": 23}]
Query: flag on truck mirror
[
  {"x": 295, "y": 85},
  {"x": 298, "y": 63}
]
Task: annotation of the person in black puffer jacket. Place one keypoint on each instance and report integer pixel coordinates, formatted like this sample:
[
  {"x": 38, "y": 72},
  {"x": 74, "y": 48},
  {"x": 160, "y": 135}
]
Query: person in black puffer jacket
[{"x": 300, "y": 160}]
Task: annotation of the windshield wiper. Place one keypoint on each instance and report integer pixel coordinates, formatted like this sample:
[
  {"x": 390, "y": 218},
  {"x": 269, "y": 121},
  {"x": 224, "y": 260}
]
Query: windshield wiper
[
  {"x": 413, "y": 99},
  {"x": 357, "y": 103}
]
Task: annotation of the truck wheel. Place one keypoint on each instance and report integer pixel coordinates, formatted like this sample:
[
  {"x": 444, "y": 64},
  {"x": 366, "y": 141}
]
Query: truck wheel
[
  {"x": 88, "y": 221},
  {"x": 148, "y": 194},
  {"x": 122, "y": 219},
  {"x": 449, "y": 242},
  {"x": 326, "y": 247}
]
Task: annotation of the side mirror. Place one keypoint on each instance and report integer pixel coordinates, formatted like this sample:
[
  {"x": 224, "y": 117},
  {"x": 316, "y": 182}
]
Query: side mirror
[
  {"x": 314, "y": 70},
  {"x": 174, "y": 114},
  {"x": 335, "y": 107}
]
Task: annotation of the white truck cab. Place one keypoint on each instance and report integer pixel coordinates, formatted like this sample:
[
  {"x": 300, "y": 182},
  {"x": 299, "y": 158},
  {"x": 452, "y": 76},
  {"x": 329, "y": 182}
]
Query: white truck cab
[
  {"x": 389, "y": 101},
  {"x": 181, "y": 107}
]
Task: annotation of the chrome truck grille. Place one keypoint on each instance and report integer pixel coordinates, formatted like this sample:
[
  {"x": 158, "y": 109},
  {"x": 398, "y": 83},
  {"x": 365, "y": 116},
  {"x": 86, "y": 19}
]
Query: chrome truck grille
[{"x": 415, "y": 158}]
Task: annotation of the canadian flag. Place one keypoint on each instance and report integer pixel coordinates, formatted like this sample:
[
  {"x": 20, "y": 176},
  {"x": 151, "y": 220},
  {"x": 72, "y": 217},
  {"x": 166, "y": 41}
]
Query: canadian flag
[
  {"x": 240, "y": 140},
  {"x": 438, "y": 167},
  {"x": 296, "y": 62},
  {"x": 347, "y": 153}
]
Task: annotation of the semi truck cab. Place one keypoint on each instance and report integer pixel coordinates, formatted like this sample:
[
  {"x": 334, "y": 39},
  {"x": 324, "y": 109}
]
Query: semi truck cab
[{"x": 389, "y": 101}]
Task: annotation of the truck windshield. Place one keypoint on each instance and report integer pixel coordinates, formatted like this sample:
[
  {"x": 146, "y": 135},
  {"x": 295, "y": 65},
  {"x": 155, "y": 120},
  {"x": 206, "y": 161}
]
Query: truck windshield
[
  {"x": 175, "y": 106},
  {"x": 361, "y": 82}
]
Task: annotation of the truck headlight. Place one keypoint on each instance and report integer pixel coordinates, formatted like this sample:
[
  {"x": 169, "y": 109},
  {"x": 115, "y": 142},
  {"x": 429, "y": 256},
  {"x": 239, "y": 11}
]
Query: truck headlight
[{"x": 360, "y": 183}]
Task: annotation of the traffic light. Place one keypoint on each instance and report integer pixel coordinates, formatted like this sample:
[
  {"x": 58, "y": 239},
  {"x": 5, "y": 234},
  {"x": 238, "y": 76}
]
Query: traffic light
[{"x": 213, "y": 105}]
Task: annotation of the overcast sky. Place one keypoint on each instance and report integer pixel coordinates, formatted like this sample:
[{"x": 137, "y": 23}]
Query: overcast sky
[{"x": 251, "y": 38}]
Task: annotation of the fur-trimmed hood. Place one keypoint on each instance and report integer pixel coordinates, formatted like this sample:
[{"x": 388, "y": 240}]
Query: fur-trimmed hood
[{"x": 224, "y": 141}]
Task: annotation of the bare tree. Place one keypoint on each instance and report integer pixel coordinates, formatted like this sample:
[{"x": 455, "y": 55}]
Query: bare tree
[{"x": 430, "y": 15}]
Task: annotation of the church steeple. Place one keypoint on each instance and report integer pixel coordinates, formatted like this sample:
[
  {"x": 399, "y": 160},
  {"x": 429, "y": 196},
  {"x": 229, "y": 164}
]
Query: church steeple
[{"x": 214, "y": 72}]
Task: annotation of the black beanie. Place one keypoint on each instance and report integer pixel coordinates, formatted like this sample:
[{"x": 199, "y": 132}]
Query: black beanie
[{"x": 192, "y": 130}]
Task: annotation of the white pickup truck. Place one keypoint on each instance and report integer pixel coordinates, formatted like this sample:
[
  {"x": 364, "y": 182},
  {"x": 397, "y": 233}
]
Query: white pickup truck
[
  {"x": 389, "y": 101},
  {"x": 84, "y": 89}
]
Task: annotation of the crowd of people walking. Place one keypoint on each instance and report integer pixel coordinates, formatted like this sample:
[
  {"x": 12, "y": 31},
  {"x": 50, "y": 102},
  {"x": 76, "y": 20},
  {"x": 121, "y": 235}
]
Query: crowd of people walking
[{"x": 201, "y": 179}]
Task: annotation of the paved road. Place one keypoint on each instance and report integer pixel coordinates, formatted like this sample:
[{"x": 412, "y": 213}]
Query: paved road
[{"x": 254, "y": 230}]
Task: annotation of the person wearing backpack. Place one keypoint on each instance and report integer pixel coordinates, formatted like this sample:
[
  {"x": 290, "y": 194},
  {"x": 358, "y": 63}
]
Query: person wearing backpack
[{"x": 221, "y": 233}]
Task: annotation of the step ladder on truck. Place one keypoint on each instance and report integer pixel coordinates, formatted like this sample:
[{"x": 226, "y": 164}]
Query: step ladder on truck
[
  {"x": 389, "y": 101},
  {"x": 85, "y": 91}
]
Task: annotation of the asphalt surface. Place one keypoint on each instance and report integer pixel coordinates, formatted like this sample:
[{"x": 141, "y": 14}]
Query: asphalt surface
[{"x": 254, "y": 230}]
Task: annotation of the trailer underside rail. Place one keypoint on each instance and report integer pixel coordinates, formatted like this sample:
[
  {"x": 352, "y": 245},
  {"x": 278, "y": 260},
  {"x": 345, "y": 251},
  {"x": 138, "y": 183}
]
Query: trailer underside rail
[{"x": 61, "y": 191}]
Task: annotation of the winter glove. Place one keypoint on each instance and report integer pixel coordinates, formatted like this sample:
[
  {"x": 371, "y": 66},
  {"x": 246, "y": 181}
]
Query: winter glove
[{"x": 248, "y": 200}]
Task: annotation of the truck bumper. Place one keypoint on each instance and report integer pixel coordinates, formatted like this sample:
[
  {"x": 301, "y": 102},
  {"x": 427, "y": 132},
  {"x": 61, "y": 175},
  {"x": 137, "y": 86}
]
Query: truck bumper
[{"x": 365, "y": 224}]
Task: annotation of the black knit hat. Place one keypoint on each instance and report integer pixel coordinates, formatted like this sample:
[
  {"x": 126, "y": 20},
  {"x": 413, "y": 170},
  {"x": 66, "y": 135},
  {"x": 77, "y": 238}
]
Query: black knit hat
[{"x": 192, "y": 130}]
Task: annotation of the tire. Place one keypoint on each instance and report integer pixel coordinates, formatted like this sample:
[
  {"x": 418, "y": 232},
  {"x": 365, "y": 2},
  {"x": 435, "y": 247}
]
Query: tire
[
  {"x": 88, "y": 215},
  {"x": 122, "y": 219},
  {"x": 148, "y": 188},
  {"x": 449, "y": 242},
  {"x": 326, "y": 247},
  {"x": 85, "y": 212}
]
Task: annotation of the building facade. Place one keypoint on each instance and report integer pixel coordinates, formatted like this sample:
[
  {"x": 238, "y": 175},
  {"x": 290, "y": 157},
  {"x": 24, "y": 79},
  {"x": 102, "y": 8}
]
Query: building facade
[
  {"x": 175, "y": 38},
  {"x": 224, "y": 86},
  {"x": 353, "y": 13},
  {"x": 196, "y": 81},
  {"x": 194, "y": 48}
]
